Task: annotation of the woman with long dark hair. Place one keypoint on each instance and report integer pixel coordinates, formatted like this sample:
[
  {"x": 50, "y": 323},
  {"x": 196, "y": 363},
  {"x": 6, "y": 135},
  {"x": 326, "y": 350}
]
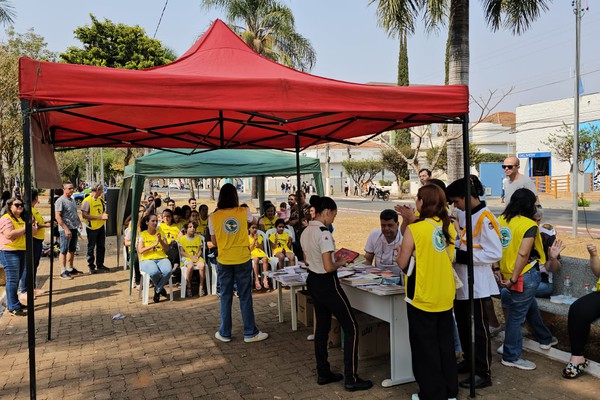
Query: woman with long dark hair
[
  {"x": 329, "y": 297},
  {"x": 12, "y": 251},
  {"x": 152, "y": 250},
  {"x": 522, "y": 251},
  {"x": 429, "y": 291},
  {"x": 228, "y": 228}
]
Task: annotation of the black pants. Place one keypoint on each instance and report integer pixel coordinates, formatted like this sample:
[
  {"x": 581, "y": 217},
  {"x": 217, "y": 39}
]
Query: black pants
[
  {"x": 483, "y": 346},
  {"x": 97, "y": 239},
  {"x": 433, "y": 359},
  {"x": 582, "y": 313},
  {"x": 329, "y": 298},
  {"x": 38, "y": 245}
]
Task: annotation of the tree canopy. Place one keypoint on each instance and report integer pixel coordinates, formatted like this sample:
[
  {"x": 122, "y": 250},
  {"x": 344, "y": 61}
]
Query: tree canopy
[
  {"x": 362, "y": 170},
  {"x": 561, "y": 144},
  {"x": 7, "y": 13},
  {"x": 106, "y": 44}
]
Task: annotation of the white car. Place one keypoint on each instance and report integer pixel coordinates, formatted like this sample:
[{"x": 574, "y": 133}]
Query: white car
[{"x": 173, "y": 185}]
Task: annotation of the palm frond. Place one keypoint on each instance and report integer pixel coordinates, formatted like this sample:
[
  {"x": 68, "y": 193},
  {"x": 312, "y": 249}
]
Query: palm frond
[
  {"x": 515, "y": 15},
  {"x": 7, "y": 13}
]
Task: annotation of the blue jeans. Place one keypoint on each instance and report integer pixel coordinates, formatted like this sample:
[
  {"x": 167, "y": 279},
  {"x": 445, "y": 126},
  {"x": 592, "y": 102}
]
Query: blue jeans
[
  {"x": 520, "y": 306},
  {"x": 37, "y": 254},
  {"x": 159, "y": 271},
  {"x": 544, "y": 290},
  {"x": 241, "y": 275},
  {"x": 14, "y": 267}
]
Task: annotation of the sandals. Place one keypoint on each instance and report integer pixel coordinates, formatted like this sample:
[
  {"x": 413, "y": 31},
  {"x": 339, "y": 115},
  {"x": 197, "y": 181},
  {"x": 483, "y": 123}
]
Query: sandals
[
  {"x": 257, "y": 285},
  {"x": 573, "y": 371},
  {"x": 188, "y": 292},
  {"x": 266, "y": 283}
]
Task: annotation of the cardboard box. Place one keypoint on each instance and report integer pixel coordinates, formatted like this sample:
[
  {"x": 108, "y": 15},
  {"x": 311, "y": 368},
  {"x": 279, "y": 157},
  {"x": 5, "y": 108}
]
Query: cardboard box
[
  {"x": 373, "y": 336},
  {"x": 304, "y": 308},
  {"x": 334, "y": 339}
]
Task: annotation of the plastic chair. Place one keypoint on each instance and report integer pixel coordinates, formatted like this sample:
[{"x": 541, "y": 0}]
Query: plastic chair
[
  {"x": 184, "y": 269},
  {"x": 274, "y": 260},
  {"x": 145, "y": 282}
]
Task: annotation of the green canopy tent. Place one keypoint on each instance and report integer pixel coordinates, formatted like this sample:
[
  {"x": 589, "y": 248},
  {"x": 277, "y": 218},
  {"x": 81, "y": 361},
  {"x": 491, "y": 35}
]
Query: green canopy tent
[{"x": 182, "y": 163}]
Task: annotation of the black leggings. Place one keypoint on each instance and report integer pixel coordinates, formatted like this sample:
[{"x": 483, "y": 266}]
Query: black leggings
[
  {"x": 329, "y": 298},
  {"x": 581, "y": 315}
]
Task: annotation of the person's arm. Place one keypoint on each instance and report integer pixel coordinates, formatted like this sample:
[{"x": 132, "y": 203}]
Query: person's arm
[
  {"x": 553, "y": 262},
  {"x": 163, "y": 243},
  {"x": 331, "y": 266},
  {"x": 406, "y": 250},
  {"x": 141, "y": 249},
  {"x": 522, "y": 261},
  {"x": 594, "y": 260},
  {"x": 368, "y": 258},
  {"x": 11, "y": 233},
  {"x": 62, "y": 224},
  {"x": 408, "y": 215}
]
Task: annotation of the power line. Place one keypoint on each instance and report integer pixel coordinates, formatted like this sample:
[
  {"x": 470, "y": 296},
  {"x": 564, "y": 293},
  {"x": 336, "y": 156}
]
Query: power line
[{"x": 160, "y": 19}]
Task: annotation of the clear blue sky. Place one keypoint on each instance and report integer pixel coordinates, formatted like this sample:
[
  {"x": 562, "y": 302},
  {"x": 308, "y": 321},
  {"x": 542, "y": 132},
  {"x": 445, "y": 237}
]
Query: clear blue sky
[{"x": 350, "y": 46}]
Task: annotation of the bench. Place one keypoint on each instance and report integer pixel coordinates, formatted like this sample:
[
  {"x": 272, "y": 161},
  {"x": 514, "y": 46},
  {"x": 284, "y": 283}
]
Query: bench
[{"x": 579, "y": 271}]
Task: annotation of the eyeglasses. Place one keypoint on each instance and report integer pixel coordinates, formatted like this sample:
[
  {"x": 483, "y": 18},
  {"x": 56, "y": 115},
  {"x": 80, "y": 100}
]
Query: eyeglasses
[
  {"x": 508, "y": 166},
  {"x": 18, "y": 205}
]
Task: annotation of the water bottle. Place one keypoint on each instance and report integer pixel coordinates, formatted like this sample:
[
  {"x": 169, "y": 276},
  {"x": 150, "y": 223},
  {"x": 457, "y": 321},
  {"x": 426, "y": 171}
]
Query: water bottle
[
  {"x": 567, "y": 289},
  {"x": 586, "y": 289}
]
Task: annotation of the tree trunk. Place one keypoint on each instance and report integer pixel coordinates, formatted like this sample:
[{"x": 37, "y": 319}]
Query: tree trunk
[
  {"x": 254, "y": 192},
  {"x": 212, "y": 188},
  {"x": 458, "y": 74}
]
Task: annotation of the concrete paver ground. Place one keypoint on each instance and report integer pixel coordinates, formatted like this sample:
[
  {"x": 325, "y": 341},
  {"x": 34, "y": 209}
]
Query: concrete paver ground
[{"x": 168, "y": 351}]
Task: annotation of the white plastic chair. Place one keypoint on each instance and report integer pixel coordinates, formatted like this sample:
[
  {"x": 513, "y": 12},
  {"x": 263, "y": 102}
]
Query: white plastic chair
[
  {"x": 267, "y": 248},
  {"x": 145, "y": 282},
  {"x": 185, "y": 268}
]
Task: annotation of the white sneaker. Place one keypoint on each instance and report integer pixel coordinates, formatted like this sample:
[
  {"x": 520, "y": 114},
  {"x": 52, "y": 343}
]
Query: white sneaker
[
  {"x": 520, "y": 363},
  {"x": 553, "y": 342},
  {"x": 500, "y": 349},
  {"x": 415, "y": 396},
  {"x": 257, "y": 338},
  {"x": 221, "y": 338}
]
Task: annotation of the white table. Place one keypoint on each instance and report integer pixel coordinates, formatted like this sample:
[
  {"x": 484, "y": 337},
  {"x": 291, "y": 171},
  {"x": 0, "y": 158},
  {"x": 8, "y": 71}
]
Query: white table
[
  {"x": 392, "y": 309},
  {"x": 293, "y": 289}
]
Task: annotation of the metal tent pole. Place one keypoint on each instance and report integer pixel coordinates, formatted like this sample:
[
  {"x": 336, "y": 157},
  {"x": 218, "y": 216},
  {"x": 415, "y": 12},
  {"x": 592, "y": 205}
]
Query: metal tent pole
[{"x": 51, "y": 255}]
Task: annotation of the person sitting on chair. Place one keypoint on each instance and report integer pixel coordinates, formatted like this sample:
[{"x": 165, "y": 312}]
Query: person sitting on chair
[
  {"x": 190, "y": 250},
  {"x": 152, "y": 251},
  {"x": 257, "y": 252},
  {"x": 281, "y": 243},
  {"x": 269, "y": 219},
  {"x": 380, "y": 249}
]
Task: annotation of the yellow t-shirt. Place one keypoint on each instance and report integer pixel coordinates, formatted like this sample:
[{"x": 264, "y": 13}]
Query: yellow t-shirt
[
  {"x": 96, "y": 208},
  {"x": 431, "y": 286},
  {"x": 511, "y": 236},
  {"x": 148, "y": 240},
  {"x": 191, "y": 246},
  {"x": 256, "y": 252},
  {"x": 41, "y": 232},
  {"x": 231, "y": 231},
  {"x": 268, "y": 223},
  {"x": 169, "y": 232},
  {"x": 281, "y": 243},
  {"x": 18, "y": 243},
  {"x": 202, "y": 225}
]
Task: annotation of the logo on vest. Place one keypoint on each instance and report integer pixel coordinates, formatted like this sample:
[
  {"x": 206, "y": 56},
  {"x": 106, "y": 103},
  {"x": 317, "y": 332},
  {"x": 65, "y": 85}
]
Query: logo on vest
[
  {"x": 231, "y": 225},
  {"x": 505, "y": 236},
  {"x": 438, "y": 239}
]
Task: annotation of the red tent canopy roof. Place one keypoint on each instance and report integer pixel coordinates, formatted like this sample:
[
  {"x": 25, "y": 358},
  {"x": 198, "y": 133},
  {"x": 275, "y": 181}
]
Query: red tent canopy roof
[{"x": 220, "y": 93}]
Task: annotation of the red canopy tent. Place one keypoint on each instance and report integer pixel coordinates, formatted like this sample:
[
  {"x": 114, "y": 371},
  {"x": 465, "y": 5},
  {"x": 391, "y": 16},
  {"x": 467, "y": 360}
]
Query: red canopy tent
[{"x": 219, "y": 94}]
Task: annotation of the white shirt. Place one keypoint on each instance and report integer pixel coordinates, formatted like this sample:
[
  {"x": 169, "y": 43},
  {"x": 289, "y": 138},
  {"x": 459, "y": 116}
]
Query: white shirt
[
  {"x": 484, "y": 283},
  {"x": 384, "y": 253},
  {"x": 511, "y": 187},
  {"x": 315, "y": 242}
]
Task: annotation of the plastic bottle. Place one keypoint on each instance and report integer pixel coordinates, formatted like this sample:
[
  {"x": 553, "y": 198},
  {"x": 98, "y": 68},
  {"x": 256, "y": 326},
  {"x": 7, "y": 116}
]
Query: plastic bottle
[
  {"x": 586, "y": 289},
  {"x": 568, "y": 289}
]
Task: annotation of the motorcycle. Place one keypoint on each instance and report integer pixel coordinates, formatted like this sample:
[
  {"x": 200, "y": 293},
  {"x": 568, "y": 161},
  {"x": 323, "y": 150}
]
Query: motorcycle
[{"x": 380, "y": 193}]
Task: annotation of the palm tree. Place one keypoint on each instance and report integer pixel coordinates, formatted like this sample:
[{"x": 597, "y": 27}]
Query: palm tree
[
  {"x": 267, "y": 26},
  {"x": 516, "y": 15},
  {"x": 7, "y": 13}
]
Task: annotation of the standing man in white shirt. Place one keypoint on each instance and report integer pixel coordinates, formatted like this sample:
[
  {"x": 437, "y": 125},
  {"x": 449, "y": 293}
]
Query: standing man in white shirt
[
  {"x": 515, "y": 180},
  {"x": 380, "y": 249}
]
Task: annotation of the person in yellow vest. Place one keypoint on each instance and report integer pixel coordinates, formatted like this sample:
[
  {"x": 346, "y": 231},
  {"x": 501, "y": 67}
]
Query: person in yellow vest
[
  {"x": 93, "y": 211},
  {"x": 12, "y": 252},
  {"x": 257, "y": 252},
  {"x": 426, "y": 256},
  {"x": 38, "y": 238},
  {"x": 268, "y": 220},
  {"x": 152, "y": 251},
  {"x": 522, "y": 250},
  {"x": 228, "y": 227},
  {"x": 487, "y": 250},
  {"x": 190, "y": 250},
  {"x": 582, "y": 313}
]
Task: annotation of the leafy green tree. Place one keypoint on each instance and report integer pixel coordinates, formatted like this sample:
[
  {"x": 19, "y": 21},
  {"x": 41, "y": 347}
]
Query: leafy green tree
[
  {"x": 362, "y": 170},
  {"x": 561, "y": 144},
  {"x": 395, "y": 163},
  {"x": 7, "y": 13},
  {"x": 268, "y": 27},
  {"x": 11, "y": 124}
]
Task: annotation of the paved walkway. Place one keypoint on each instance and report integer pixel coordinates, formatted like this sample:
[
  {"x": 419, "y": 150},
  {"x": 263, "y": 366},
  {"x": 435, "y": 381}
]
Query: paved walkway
[{"x": 168, "y": 351}]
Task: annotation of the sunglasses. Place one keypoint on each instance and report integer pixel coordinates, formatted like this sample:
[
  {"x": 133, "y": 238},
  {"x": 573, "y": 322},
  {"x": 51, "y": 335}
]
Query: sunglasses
[
  {"x": 19, "y": 205},
  {"x": 508, "y": 166}
]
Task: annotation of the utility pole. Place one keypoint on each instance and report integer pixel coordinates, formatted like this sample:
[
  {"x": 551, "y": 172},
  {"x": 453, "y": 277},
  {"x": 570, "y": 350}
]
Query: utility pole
[{"x": 327, "y": 167}]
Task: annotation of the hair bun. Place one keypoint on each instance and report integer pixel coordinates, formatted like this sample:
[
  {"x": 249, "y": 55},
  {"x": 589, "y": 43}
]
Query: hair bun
[{"x": 315, "y": 201}]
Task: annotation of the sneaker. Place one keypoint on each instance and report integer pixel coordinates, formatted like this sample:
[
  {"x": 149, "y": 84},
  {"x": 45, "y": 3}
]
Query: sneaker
[
  {"x": 500, "y": 350},
  {"x": 553, "y": 342},
  {"x": 359, "y": 384},
  {"x": 93, "y": 271},
  {"x": 18, "y": 313},
  {"x": 74, "y": 272},
  {"x": 520, "y": 363},
  {"x": 221, "y": 338},
  {"x": 103, "y": 269},
  {"x": 257, "y": 338},
  {"x": 415, "y": 396},
  {"x": 65, "y": 275},
  {"x": 495, "y": 331}
]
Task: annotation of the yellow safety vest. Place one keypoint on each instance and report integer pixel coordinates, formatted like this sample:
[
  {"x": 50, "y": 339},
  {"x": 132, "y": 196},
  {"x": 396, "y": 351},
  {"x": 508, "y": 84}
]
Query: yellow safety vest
[
  {"x": 96, "y": 209},
  {"x": 431, "y": 286},
  {"x": 231, "y": 231},
  {"x": 41, "y": 233},
  {"x": 511, "y": 236},
  {"x": 148, "y": 240}
]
